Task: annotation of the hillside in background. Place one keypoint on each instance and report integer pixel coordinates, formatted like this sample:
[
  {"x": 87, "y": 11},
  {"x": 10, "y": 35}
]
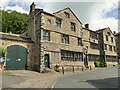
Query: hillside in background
[{"x": 14, "y": 22}]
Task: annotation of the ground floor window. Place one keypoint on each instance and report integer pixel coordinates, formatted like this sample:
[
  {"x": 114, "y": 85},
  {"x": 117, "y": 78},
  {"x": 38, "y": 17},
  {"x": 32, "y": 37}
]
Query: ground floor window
[
  {"x": 111, "y": 58},
  {"x": 71, "y": 56},
  {"x": 92, "y": 57}
]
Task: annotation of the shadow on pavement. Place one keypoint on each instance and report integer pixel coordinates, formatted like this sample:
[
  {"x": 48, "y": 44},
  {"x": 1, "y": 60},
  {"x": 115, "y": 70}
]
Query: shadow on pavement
[{"x": 106, "y": 83}]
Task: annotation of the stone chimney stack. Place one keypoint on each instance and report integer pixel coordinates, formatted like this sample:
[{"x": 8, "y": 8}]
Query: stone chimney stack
[
  {"x": 114, "y": 32},
  {"x": 87, "y": 26},
  {"x": 32, "y": 9}
]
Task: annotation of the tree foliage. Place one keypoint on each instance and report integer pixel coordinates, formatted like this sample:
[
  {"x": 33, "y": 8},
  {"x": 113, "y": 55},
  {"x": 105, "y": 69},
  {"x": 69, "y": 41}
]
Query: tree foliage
[
  {"x": 14, "y": 22},
  {"x": 2, "y": 51}
]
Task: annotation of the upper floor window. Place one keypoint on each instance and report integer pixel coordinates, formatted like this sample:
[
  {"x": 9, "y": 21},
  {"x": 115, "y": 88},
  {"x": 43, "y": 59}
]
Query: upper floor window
[
  {"x": 65, "y": 38},
  {"x": 106, "y": 38},
  {"x": 73, "y": 26},
  {"x": 35, "y": 21},
  {"x": 112, "y": 39},
  {"x": 114, "y": 48},
  {"x": 46, "y": 35},
  {"x": 110, "y": 47},
  {"x": 105, "y": 47},
  {"x": 66, "y": 14},
  {"x": 49, "y": 21},
  {"x": 93, "y": 35},
  {"x": 108, "y": 33},
  {"x": 38, "y": 37},
  {"x": 58, "y": 22},
  {"x": 80, "y": 42},
  {"x": 94, "y": 46}
]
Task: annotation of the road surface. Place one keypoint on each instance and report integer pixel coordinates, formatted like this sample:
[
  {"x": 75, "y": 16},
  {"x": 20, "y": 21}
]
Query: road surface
[{"x": 105, "y": 78}]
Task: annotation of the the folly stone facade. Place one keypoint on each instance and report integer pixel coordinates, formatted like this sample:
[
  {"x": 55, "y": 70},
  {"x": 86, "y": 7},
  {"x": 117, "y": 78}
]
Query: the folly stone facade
[
  {"x": 117, "y": 38},
  {"x": 61, "y": 36}
]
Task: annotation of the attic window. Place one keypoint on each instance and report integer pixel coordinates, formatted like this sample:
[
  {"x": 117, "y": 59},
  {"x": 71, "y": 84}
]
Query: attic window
[
  {"x": 49, "y": 21},
  {"x": 108, "y": 33},
  {"x": 66, "y": 14}
]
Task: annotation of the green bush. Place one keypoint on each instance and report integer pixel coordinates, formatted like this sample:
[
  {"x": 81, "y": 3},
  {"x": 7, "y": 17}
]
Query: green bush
[
  {"x": 96, "y": 64},
  {"x": 100, "y": 64},
  {"x": 2, "y": 51},
  {"x": 105, "y": 64}
]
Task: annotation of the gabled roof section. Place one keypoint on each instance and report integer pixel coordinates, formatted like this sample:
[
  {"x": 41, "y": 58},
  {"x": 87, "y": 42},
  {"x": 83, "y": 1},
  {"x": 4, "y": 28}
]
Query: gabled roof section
[
  {"x": 104, "y": 29},
  {"x": 101, "y": 29},
  {"x": 70, "y": 10},
  {"x": 89, "y": 30}
]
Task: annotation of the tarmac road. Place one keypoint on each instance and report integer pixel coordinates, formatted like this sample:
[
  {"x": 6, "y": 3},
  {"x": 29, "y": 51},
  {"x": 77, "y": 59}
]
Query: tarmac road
[
  {"x": 11, "y": 80},
  {"x": 105, "y": 78}
]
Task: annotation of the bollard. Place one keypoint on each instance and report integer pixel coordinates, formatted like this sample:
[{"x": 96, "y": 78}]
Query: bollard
[
  {"x": 82, "y": 68},
  {"x": 90, "y": 67},
  {"x": 73, "y": 69},
  {"x": 63, "y": 70}
]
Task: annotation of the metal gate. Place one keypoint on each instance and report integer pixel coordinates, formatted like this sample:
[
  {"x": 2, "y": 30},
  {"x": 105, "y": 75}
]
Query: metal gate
[{"x": 16, "y": 58}]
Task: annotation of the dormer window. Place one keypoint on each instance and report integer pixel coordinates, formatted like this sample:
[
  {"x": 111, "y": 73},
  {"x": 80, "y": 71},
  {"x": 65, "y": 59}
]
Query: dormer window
[{"x": 66, "y": 14}]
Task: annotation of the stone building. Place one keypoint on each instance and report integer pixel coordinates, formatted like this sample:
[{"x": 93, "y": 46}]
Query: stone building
[
  {"x": 91, "y": 42},
  {"x": 60, "y": 38},
  {"x": 117, "y": 38},
  {"x": 107, "y": 43}
]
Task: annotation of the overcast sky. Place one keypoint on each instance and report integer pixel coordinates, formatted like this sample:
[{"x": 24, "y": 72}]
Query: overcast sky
[{"x": 98, "y": 13}]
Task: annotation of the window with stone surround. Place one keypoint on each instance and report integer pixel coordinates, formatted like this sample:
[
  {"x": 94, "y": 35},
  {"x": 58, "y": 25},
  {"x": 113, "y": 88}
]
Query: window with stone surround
[
  {"x": 114, "y": 48},
  {"x": 71, "y": 56},
  {"x": 110, "y": 48},
  {"x": 38, "y": 37},
  {"x": 80, "y": 42},
  {"x": 93, "y": 35},
  {"x": 106, "y": 38},
  {"x": 49, "y": 21},
  {"x": 58, "y": 22},
  {"x": 73, "y": 27},
  {"x": 65, "y": 39},
  {"x": 66, "y": 15},
  {"x": 94, "y": 46},
  {"x": 112, "y": 39},
  {"x": 46, "y": 35},
  {"x": 105, "y": 46}
]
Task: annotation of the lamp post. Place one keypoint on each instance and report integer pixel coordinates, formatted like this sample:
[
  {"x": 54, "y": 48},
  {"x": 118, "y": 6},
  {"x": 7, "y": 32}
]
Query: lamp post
[
  {"x": 104, "y": 56},
  {"x": 85, "y": 59}
]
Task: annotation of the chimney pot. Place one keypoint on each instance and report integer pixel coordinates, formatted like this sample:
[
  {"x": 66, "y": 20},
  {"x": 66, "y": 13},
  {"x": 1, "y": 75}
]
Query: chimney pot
[{"x": 87, "y": 26}]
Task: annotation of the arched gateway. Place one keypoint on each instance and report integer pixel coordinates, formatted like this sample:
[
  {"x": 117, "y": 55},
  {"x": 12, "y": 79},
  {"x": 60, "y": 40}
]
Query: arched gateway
[{"x": 16, "y": 58}]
